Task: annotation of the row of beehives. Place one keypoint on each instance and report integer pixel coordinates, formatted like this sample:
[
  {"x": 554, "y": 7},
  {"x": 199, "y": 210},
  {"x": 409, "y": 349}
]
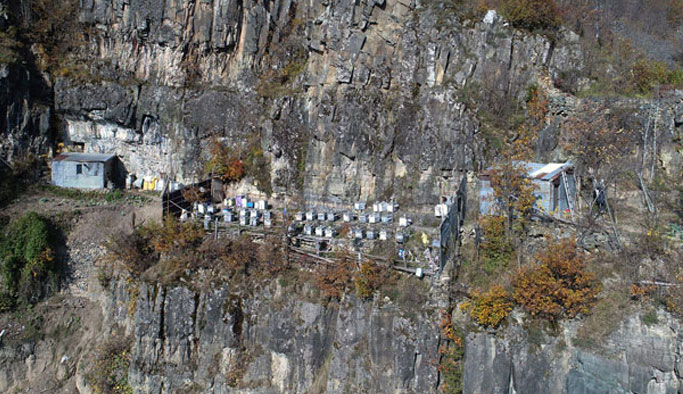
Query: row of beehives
[
  {"x": 239, "y": 202},
  {"x": 356, "y": 233},
  {"x": 366, "y": 218},
  {"x": 245, "y": 217}
]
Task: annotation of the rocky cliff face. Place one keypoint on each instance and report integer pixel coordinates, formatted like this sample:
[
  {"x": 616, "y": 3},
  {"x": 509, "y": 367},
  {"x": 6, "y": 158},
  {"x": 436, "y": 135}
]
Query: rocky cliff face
[
  {"x": 272, "y": 342},
  {"x": 349, "y": 100},
  {"x": 27, "y": 116},
  {"x": 637, "y": 358},
  {"x": 356, "y": 99}
]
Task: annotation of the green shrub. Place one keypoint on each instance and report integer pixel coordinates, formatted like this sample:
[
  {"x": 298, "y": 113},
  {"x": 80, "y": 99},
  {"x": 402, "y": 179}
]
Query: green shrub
[
  {"x": 648, "y": 74},
  {"x": 496, "y": 248},
  {"x": 258, "y": 167},
  {"x": 650, "y": 318},
  {"x": 27, "y": 262}
]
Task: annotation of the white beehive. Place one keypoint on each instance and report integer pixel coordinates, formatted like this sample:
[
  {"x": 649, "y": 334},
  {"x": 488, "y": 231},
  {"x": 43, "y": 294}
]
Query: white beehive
[
  {"x": 384, "y": 235},
  {"x": 440, "y": 210},
  {"x": 347, "y": 217},
  {"x": 320, "y": 231},
  {"x": 308, "y": 229},
  {"x": 374, "y": 218}
]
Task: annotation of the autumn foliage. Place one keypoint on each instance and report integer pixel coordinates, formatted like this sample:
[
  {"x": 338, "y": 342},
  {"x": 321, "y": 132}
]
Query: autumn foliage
[
  {"x": 193, "y": 194},
  {"x": 249, "y": 258},
  {"x": 513, "y": 191},
  {"x": 490, "y": 308},
  {"x": 368, "y": 278},
  {"x": 172, "y": 235},
  {"x": 153, "y": 242},
  {"x": 224, "y": 163},
  {"x": 595, "y": 140},
  {"x": 334, "y": 279},
  {"x": 451, "y": 353},
  {"x": 558, "y": 285}
]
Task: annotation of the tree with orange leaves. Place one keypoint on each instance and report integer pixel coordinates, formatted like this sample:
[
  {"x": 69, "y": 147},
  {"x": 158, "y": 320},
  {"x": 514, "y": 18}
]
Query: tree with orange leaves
[
  {"x": 512, "y": 189},
  {"x": 559, "y": 284},
  {"x": 489, "y": 308},
  {"x": 224, "y": 163}
]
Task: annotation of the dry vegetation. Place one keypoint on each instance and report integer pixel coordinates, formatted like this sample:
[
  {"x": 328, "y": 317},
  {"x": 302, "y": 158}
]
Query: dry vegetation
[
  {"x": 109, "y": 372},
  {"x": 559, "y": 285},
  {"x": 167, "y": 252},
  {"x": 451, "y": 353}
]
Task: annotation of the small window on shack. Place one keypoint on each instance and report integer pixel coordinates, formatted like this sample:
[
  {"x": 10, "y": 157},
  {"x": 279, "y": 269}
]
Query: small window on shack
[{"x": 79, "y": 169}]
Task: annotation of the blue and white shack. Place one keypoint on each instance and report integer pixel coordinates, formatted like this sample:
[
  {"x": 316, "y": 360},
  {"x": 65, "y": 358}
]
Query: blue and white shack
[
  {"x": 555, "y": 188},
  {"x": 82, "y": 170}
]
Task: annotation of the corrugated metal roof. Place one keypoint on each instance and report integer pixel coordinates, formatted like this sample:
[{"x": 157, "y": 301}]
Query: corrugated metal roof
[
  {"x": 76, "y": 156},
  {"x": 541, "y": 171}
]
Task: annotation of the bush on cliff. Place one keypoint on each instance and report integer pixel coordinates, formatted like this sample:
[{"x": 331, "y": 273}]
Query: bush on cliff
[
  {"x": 28, "y": 267},
  {"x": 559, "y": 285},
  {"x": 109, "y": 373},
  {"x": 368, "y": 278},
  {"x": 490, "y": 308}
]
